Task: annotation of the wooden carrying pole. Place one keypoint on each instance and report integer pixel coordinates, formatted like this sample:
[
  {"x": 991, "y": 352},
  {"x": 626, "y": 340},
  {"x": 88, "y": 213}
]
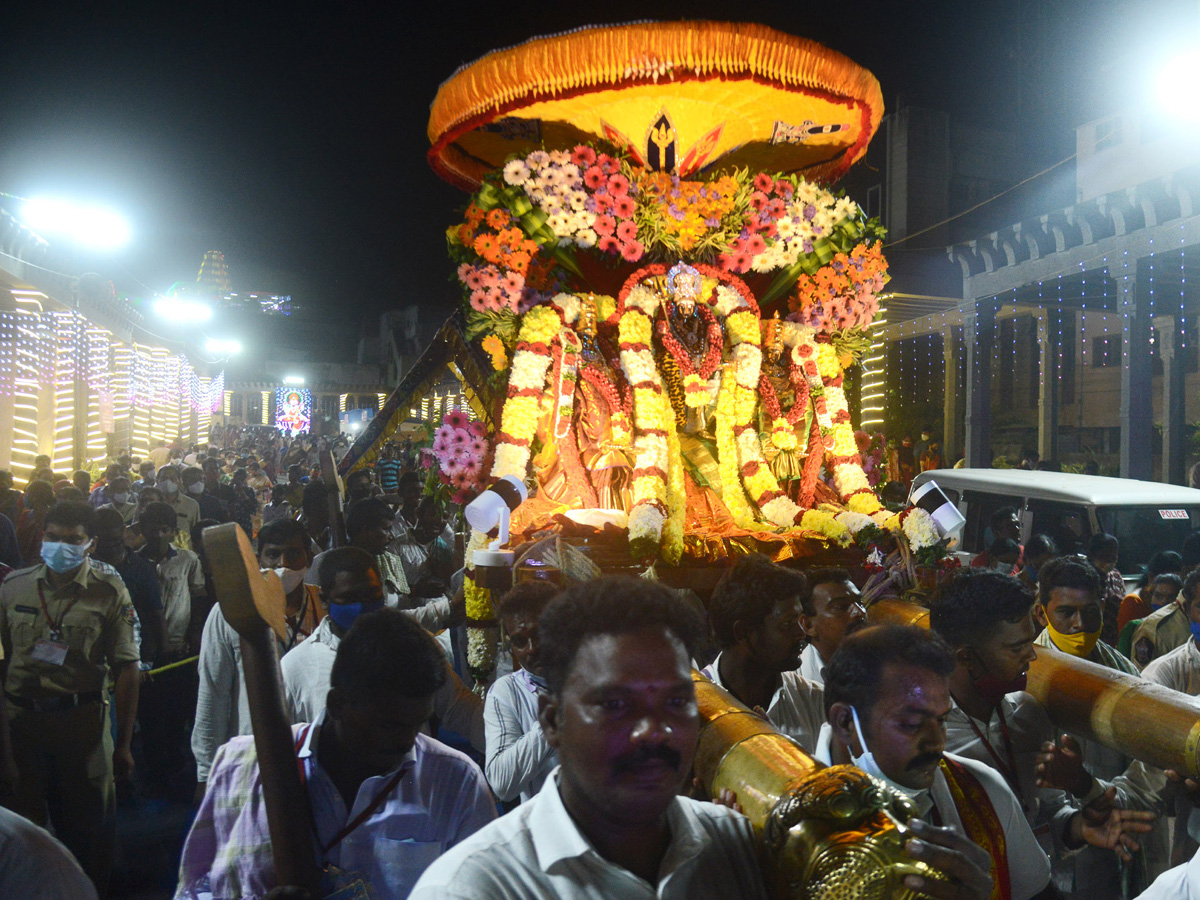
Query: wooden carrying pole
[
  {"x": 333, "y": 496},
  {"x": 253, "y": 603},
  {"x": 1146, "y": 721}
]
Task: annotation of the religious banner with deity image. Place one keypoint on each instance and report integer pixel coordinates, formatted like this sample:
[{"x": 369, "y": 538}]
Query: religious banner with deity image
[{"x": 293, "y": 410}]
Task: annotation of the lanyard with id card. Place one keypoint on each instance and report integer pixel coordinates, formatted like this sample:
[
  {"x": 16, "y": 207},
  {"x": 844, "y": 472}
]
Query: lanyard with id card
[{"x": 54, "y": 649}]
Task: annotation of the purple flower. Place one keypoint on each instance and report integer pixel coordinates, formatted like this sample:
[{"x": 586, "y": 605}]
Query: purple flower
[
  {"x": 806, "y": 245},
  {"x": 676, "y": 214},
  {"x": 712, "y": 223}
]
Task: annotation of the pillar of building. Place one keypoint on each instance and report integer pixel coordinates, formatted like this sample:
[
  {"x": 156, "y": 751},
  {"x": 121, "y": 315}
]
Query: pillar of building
[
  {"x": 979, "y": 324},
  {"x": 951, "y": 423},
  {"x": 1174, "y": 420},
  {"x": 1137, "y": 413},
  {"x": 1050, "y": 325}
]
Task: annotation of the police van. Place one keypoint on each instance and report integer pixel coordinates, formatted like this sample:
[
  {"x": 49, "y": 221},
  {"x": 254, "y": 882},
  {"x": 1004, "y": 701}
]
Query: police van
[{"x": 1145, "y": 516}]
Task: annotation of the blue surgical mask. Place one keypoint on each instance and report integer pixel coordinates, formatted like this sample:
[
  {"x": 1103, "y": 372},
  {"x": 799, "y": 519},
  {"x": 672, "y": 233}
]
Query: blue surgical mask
[
  {"x": 345, "y": 614},
  {"x": 61, "y": 557},
  {"x": 1031, "y": 571},
  {"x": 867, "y": 763},
  {"x": 1195, "y": 626}
]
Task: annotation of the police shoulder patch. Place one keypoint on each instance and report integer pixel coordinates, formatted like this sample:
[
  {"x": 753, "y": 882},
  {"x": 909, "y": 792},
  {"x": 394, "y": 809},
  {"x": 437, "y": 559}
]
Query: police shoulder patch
[{"x": 128, "y": 614}]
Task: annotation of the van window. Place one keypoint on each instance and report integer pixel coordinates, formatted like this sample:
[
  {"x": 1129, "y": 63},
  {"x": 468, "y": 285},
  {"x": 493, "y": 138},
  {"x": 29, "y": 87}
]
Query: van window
[
  {"x": 1144, "y": 530},
  {"x": 1067, "y": 524},
  {"x": 977, "y": 536}
]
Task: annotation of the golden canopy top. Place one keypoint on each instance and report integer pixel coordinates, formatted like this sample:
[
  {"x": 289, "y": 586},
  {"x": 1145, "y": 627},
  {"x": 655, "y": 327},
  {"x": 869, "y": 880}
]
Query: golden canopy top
[{"x": 677, "y": 96}]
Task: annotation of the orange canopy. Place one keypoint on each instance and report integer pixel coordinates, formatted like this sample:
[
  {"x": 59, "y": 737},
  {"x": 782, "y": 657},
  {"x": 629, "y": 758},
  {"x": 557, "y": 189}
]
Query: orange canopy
[{"x": 675, "y": 96}]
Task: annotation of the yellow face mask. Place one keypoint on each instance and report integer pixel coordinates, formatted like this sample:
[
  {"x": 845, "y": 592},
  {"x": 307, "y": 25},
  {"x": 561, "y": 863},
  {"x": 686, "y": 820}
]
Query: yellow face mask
[{"x": 1080, "y": 645}]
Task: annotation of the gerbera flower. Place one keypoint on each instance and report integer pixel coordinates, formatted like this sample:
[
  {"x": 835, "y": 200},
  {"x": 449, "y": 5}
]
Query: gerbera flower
[
  {"x": 479, "y": 300},
  {"x": 593, "y": 177},
  {"x": 456, "y": 418},
  {"x": 513, "y": 283},
  {"x": 618, "y": 185},
  {"x": 537, "y": 159},
  {"x": 607, "y": 164},
  {"x": 632, "y": 251},
  {"x": 586, "y": 238},
  {"x": 489, "y": 277},
  {"x": 627, "y": 231},
  {"x": 756, "y": 245},
  {"x": 607, "y": 244},
  {"x": 473, "y": 278},
  {"x": 516, "y": 172},
  {"x": 497, "y": 218},
  {"x": 625, "y": 207},
  {"x": 758, "y": 201},
  {"x": 559, "y": 157},
  {"x": 763, "y": 182},
  {"x": 583, "y": 156}
]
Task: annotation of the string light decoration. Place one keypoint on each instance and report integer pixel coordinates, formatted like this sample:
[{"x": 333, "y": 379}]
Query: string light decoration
[
  {"x": 266, "y": 408},
  {"x": 874, "y": 372}
]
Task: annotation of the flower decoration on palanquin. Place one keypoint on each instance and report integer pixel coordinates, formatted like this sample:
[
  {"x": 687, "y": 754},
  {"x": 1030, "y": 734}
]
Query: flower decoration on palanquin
[{"x": 456, "y": 461}]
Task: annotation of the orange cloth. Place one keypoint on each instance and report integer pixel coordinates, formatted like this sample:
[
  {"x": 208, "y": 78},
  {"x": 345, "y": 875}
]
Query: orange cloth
[{"x": 1132, "y": 607}]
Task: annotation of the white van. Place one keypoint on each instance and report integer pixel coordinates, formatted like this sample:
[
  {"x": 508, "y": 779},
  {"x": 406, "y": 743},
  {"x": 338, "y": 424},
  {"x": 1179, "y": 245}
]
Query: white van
[{"x": 1145, "y": 516}]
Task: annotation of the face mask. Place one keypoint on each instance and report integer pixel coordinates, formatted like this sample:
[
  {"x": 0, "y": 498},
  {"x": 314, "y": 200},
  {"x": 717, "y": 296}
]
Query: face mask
[
  {"x": 1195, "y": 626},
  {"x": 120, "y": 498},
  {"x": 1003, "y": 568},
  {"x": 196, "y": 487},
  {"x": 1080, "y": 644},
  {"x": 992, "y": 690},
  {"x": 169, "y": 488},
  {"x": 1031, "y": 572},
  {"x": 291, "y": 578},
  {"x": 345, "y": 614},
  {"x": 867, "y": 763},
  {"x": 61, "y": 557}
]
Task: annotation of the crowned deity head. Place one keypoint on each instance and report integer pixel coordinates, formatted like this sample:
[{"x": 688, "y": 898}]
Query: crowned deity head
[{"x": 683, "y": 287}]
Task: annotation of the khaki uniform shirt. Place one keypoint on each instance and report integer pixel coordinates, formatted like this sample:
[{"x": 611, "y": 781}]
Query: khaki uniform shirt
[
  {"x": 1160, "y": 633},
  {"x": 96, "y": 620}
]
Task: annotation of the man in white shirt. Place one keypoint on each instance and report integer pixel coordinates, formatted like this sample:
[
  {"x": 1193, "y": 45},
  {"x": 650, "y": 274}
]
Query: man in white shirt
[
  {"x": 518, "y": 757},
  {"x": 350, "y": 587},
  {"x": 167, "y": 700},
  {"x": 832, "y": 610},
  {"x": 1180, "y": 671},
  {"x": 985, "y": 618},
  {"x": 887, "y": 693},
  {"x": 385, "y": 799},
  {"x": 35, "y": 866},
  {"x": 620, "y": 711},
  {"x": 369, "y": 527},
  {"x": 755, "y": 619},
  {"x": 222, "y": 708}
]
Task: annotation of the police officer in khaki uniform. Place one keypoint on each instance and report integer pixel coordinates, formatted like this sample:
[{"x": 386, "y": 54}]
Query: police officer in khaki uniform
[{"x": 64, "y": 624}]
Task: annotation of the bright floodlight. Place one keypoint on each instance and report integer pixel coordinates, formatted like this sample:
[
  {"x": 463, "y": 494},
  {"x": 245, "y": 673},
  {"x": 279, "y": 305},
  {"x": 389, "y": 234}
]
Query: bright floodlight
[
  {"x": 182, "y": 312},
  {"x": 90, "y": 226},
  {"x": 223, "y": 347},
  {"x": 1176, "y": 87},
  {"x": 293, "y": 379}
]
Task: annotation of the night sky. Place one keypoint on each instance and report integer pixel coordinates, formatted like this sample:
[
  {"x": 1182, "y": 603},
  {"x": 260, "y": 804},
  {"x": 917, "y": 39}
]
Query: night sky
[{"x": 292, "y": 137}]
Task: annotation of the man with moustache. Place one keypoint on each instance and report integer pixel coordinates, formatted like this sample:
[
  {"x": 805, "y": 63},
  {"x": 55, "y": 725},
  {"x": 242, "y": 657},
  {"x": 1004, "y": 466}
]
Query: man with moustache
[
  {"x": 755, "y": 620},
  {"x": 887, "y": 695},
  {"x": 985, "y": 619},
  {"x": 832, "y": 610},
  {"x": 620, "y": 711}
]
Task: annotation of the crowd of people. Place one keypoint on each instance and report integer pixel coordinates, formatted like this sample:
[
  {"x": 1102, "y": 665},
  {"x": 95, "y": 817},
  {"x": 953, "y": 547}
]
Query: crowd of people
[{"x": 572, "y": 774}]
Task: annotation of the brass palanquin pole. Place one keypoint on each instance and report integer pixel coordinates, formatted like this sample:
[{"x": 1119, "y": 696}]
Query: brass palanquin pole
[
  {"x": 1146, "y": 721},
  {"x": 827, "y": 832}
]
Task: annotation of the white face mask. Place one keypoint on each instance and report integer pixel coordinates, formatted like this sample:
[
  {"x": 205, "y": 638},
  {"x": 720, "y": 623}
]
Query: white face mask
[
  {"x": 196, "y": 487},
  {"x": 867, "y": 763},
  {"x": 169, "y": 488},
  {"x": 291, "y": 578}
]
